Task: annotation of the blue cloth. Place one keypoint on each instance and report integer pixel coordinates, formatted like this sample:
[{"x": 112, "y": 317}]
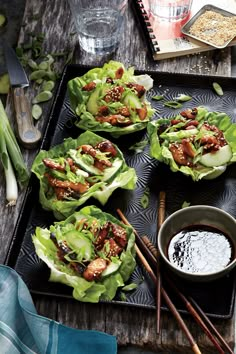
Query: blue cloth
[{"x": 23, "y": 331}]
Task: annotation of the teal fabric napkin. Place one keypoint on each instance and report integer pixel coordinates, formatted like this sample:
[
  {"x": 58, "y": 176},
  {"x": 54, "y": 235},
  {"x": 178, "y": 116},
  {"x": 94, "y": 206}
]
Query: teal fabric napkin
[{"x": 23, "y": 331}]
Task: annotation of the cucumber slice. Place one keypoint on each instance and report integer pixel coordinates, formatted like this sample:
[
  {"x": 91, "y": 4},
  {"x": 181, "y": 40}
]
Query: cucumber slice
[
  {"x": 109, "y": 172},
  {"x": 92, "y": 104},
  {"x": 85, "y": 166},
  {"x": 111, "y": 268},
  {"x": 132, "y": 101},
  {"x": 80, "y": 244},
  {"x": 218, "y": 158}
]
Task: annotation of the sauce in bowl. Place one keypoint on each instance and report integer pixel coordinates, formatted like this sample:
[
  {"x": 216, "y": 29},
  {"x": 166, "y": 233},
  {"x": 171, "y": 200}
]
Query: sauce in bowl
[{"x": 200, "y": 249}]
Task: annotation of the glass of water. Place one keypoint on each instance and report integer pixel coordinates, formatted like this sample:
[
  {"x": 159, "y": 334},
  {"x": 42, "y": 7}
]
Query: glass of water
[
  {"x": 170, "y": 10},
  {"x": 99, "y": 24}
]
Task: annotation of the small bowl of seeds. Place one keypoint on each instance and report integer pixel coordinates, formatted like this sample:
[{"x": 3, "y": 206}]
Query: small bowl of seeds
[{"x": 212, "y": 25}]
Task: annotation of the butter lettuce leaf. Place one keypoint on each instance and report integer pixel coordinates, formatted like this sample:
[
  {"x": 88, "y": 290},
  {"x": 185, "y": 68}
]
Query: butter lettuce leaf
[
  {"x": 160, "y": 139},
  {"x": 85, "y": 104},
  {"x": 121, "y": 177},
  {"x": 86, "y": 291}
]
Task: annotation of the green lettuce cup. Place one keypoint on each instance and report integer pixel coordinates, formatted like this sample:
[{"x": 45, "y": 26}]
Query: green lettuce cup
[
  {"x": 111, "y": 99},
  {"x": 72, "y": 172},
  {"x": 91, "y": 251},
  {"x": 196, "y": 142}
]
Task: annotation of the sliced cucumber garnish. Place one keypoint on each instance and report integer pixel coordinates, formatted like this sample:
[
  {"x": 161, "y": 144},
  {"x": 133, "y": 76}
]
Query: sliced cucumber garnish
[
  {"x": 111, "y": 268},
  {"x": 109, "y": 172},
  {"x": 132, "y": 101},
  {"x": 218, "y": 158},
  {"x": 92, "y": 104}
]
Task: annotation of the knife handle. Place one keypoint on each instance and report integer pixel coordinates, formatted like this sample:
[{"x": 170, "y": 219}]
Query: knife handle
[{"x": 28, "y": 134}]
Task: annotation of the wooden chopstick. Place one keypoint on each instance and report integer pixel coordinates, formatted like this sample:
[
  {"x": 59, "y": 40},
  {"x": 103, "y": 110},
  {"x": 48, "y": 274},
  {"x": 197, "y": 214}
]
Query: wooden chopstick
[
  {"x": 162, "y": 208},
  {"x": 194, "y": 313},
  {"x": 161, "y": 218},
  {"x": 168, "y": 301},
  {"x": 140, "y": 243},
  {"x": 191, "y": 309},
  {"x": 210, "y": 324}
]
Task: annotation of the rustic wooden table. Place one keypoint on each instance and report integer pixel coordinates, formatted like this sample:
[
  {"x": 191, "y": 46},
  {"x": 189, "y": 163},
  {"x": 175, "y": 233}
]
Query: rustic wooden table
[{"x": 132, "y": 326}]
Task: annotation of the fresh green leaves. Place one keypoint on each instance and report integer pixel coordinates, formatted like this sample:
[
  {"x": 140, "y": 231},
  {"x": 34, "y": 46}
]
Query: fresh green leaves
[
  {"x": 119, "y": 175},
  {"x": 162, "y": 134},
  {"x": 82, "y": 246},
  {"x": 126, "y": 112}
]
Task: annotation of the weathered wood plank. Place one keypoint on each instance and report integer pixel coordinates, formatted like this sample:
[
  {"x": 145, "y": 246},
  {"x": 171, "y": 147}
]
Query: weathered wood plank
[{"x": 130, "y": 325}]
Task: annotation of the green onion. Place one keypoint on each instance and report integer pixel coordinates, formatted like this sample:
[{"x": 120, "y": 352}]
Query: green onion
[
  {"x": 10, "y": 151},
  {"x": 183, "y": 98},
  {"x": 130, "y": 287},
  {"x": 11, "y": 184},
  {"x": 157, "y": 97},
  {"x": 185, "y": 204},
  {"x": 173, "y": 104},
  {"x": 145, "y": 198},
  {"x": 139, "y": 146},
  {"x": 217, "y": 88}
]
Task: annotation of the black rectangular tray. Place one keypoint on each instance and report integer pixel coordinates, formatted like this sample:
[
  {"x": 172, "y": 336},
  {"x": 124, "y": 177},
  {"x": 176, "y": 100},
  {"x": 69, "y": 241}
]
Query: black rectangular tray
[{"x": 216, "y": 298}]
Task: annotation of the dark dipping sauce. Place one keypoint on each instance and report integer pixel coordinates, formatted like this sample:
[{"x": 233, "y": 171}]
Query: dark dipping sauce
[{"x": 200, "y": 249}]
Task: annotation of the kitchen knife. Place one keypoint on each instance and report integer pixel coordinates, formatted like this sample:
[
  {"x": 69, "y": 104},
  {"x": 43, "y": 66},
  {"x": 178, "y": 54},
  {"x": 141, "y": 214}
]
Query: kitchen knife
[{"x": 28, "y": 134}]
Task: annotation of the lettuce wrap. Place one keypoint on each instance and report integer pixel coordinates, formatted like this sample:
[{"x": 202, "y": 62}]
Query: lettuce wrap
[
  {"x": 111, "y": 99},
  {"x": 72, "y": 172},
  {"x": 196, "y": 142},
  {"x": 91, "y": 251}
]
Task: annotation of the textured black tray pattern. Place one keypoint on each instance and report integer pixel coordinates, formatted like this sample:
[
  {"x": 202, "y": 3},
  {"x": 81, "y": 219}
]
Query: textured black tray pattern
[{"x": 215, "y": 298}]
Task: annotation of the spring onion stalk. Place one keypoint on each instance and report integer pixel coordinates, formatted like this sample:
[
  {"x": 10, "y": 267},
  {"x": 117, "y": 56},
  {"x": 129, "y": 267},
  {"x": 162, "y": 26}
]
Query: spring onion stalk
[
  {"x": 11, "y": 183},
  {"x": 10, "y": 150}
]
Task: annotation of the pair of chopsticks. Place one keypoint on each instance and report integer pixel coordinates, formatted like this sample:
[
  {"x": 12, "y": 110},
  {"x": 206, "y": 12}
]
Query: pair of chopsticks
[{"x": 193, "y": 308}]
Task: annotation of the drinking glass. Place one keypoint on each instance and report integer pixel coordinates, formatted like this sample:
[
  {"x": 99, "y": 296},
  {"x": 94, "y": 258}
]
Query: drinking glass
[
  {"x": 168, "y": 10},
  {"x": 99, "y": 24}
]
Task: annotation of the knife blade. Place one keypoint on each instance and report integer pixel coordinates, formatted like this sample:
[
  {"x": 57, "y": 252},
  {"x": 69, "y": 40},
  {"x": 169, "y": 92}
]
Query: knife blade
[{"x": 28, "y": 135}]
